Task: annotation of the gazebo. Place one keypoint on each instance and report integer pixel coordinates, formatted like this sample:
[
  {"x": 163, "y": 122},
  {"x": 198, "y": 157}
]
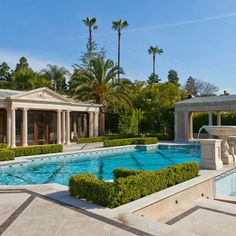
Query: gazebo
[{"x": 185, "y": 109}]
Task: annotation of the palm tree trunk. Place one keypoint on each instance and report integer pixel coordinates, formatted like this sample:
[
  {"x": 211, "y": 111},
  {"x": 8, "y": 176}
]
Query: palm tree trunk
[
  {"x": 119, "y": 35},
  {"x": 90, "y": 43},
  {"x": 102, "y": 121},
  {"x": 154, "y": 63}
]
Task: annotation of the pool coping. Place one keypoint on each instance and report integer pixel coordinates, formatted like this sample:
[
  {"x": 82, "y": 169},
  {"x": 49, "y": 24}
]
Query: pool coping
[{"x": 25, "y": 159}]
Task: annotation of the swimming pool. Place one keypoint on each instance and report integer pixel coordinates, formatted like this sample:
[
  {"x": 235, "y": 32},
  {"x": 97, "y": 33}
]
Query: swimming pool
[
  {"x": 101, "y": 163},
  {"x": 225, "y": 184}
]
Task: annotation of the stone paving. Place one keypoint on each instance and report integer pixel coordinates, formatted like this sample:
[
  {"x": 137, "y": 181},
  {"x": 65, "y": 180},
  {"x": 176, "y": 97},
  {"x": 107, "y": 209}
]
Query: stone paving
[
  {"x": 27, "y": 213},
  {"x": 84, "y": 146}
]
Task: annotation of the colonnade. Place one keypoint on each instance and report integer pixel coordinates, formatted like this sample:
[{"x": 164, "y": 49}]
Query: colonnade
[
  {"x": 184, "y": 124},
  {"x": 63, "y": 126}
]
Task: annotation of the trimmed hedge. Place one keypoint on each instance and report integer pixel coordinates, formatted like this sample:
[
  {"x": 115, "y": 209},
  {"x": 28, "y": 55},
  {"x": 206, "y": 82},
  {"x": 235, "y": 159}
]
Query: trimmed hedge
[
  {"x": 135, "y": 185},
  {"x": 6, "y": 154},
  {"x": 3, "y": 145},
  {"x": 90, "y": 140},
  {"x": 122, "y": 172},
  {"x": 102, "y": 138},
  {"x": 129, "y": 141},
  {"x": 37, "y": 150}
]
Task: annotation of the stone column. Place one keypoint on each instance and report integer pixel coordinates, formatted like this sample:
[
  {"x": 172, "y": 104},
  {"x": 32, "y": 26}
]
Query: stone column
[
  {"x": 13, "y": 127},
  {"x": 191, "y": 125},
  {"x": 9, "y": 127},
  {"x": 58, "y": 126},
  {"x": 91, "y": 124},
  {"x": 67, "y": 127},
  {"x": 63, "y": 139},
  {"x": 25, "y": 128},
  {"x": 210, "y": 121},
  {"x": 176, "y": 114},
  {"x": 96, "y": 123},
  {"x": 232, "y": 147},
  {"x": 211, "y": 154},
  {"x": 186, "y": 126},
  {"x": 209, "y": 118},
  {"x": 218, "y": 118}
]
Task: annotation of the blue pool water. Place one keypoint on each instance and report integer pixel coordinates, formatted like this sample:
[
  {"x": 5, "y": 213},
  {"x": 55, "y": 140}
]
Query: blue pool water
[
  {"x": 58, "y": 170},
  {"x": 225, "y": 184}
]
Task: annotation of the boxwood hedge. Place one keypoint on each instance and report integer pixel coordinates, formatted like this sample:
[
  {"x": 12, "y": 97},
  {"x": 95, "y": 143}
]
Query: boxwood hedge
[
  {"x": 3, "y": 145},
  {"x": 6, "y": 154},
  {"x": 129, "y": 185},
  {"x": 90, "y": 140},
  {"x": 37, "y": 150},
  {"x": 129, "y": 141}
]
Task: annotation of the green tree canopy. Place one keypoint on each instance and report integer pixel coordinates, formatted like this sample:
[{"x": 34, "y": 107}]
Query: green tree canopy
[
  {"x": 173, "y": 77},
  {"x": 57, "y": 76},
  {"x": 22, "y": 64},
  {"x": 97, "y": 84}
]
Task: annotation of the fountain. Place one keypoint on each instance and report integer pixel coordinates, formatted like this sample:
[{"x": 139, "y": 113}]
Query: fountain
[{"x": 223, "y": 132}]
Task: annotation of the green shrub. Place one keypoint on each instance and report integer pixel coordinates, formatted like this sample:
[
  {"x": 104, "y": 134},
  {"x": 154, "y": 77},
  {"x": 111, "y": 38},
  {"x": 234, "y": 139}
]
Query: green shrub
[
  {"x": 129, "y": 141},
  {"x": 90, "y": 140},
  {"x": 36, "y": 150},
  {"x": 3, "y": 145},
  {"x": 122, "y": 172},
  {"x": 129, "y": 185},
  {"x": 6, "y": 154}
]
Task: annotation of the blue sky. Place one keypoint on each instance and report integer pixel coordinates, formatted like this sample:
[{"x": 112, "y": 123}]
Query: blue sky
[{"x": 198, "y": 36}]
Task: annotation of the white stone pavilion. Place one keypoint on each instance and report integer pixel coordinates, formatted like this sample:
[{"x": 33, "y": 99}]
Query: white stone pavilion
[
  {"x": 42, "y": 116},
  {"x": 185, "y": 109}
]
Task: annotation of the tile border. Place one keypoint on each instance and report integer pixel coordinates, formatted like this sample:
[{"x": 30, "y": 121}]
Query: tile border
[
  {"x": 33, "y": 195},
  {"x": 193, "y": 209}
]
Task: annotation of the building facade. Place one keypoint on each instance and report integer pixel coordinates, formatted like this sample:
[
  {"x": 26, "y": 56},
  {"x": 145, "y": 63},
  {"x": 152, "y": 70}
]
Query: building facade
[
  {"x": 42, "y": 116},
  {"x": 185, "y": 110}
]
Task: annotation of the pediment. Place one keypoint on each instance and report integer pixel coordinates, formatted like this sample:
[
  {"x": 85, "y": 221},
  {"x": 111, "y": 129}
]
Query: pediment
[{"x": 43, "y": 95}]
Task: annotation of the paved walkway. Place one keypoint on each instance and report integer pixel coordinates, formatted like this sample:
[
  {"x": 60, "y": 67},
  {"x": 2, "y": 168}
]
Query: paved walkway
[
  {"x": 84, "y": 146},
  {"x": 27, "y": 213}
]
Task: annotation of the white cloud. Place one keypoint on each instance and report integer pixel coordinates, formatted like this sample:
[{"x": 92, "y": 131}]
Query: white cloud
[
  {"x": 182, "y": 23},
  {"x": 37, "y": 63}
]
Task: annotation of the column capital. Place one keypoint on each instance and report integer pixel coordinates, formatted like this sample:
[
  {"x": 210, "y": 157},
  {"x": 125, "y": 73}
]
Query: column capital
[
  {"x": 25, "y": 109},
  {"x": 59, "y": 110},
  {"x": 13, "y": 108}
]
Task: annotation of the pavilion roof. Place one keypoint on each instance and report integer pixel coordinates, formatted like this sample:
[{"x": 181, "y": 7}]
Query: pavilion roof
[{"x": 207, "y": 100}]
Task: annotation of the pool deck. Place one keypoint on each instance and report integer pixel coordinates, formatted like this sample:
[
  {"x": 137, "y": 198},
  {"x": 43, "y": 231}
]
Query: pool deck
[{"x": 48, "y": 209}]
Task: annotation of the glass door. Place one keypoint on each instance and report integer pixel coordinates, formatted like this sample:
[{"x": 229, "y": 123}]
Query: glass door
[
  {"x": 41, "y": 127},
  {"x": 31, "y": 127}
]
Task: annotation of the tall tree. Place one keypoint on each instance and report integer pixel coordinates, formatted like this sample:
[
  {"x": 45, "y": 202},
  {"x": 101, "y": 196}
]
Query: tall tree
[
  {"x": 91, "y": 24},
  {"x": 153, "y": 51},
  {"x": 22, "y": 64},
  {"x": 22, "y": 76},
  {"x": 118, "y": 26},
  {"x": 200, "y": 88},
  {"x": 57, "y": 76},
  {"x": 173, "y": 77},
  {"x": 96, "y": 84},
  {"x": 4, "y": 71},
  {"x": 153, "y": 79},
  {"x": 5, "y": 75}
]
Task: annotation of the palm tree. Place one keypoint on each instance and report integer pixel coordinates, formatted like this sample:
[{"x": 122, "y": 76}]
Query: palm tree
[
  {"x": 118, "y": 26},
  {"x": 91, "y": 24},
  {"x": 153, "y": 51},
  {"x": 97, "y": 84},
  {"x": 57, "y": 76}
]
